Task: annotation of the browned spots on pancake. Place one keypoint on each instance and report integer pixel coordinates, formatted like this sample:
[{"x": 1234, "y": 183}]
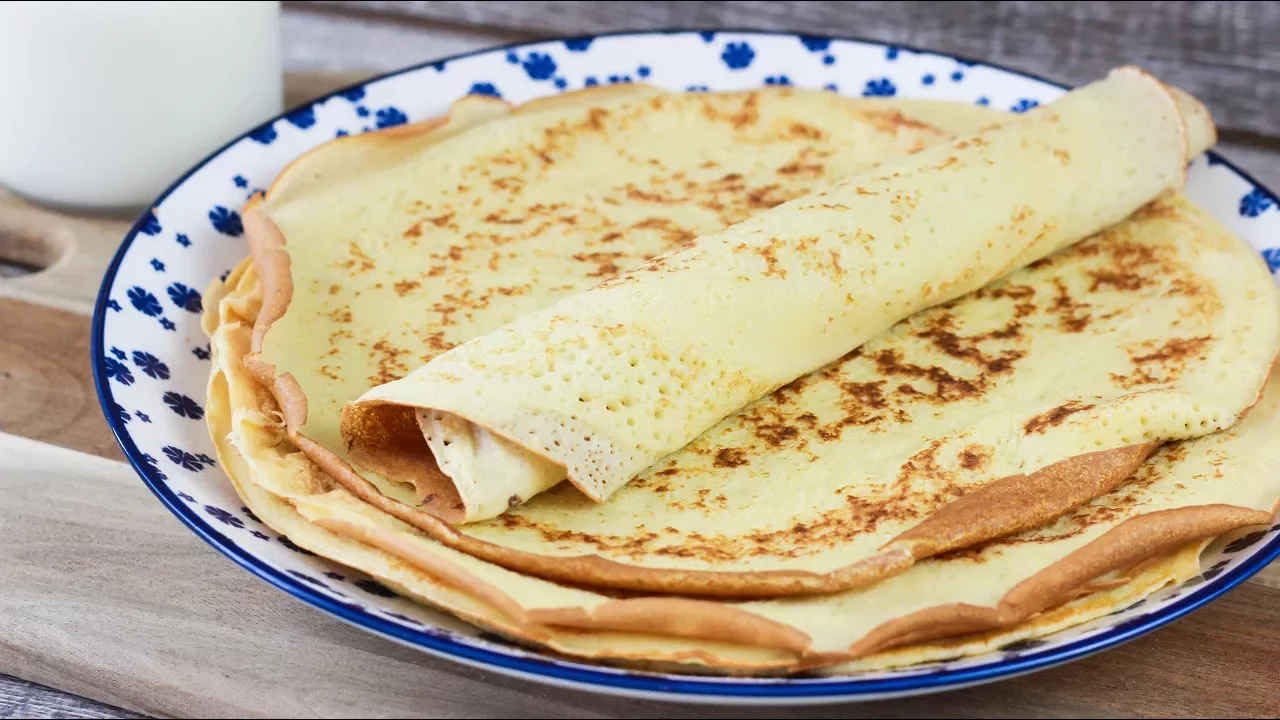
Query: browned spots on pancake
[
  {"x": 668, "y": 472},
  {"x": 341, "y": 315},
  {"x": 975, "y": 457},
  {"x": 730, "y": 458},
  {"x": 330, "y": 373},
  {"x": 672, "y": 233},
  {"x": 892, "y": 121},
  {"x": 1063, "y": 157},
  {"x": 766, "y": 197},
  {"x": 1161, "y": 363},
  {"x": 501, "y": 219},
  {"x": 745, "y": 115},
  {"x": 797, "y": 168},
  {"x": 390, "y": 359},
  {"x": 606, "y": 262},
  {"x": 358, "y": 262},
  {"x": 1073, "y": 316},
  {"x": 414, "y": 231},
  {"x": 801, "y": 130},
  {"x": 1052, "y": 418},
  {"x": 404, "y": 287},
  {"x": 769, "y": 253},
  {"x": 335, "y": 289},
  {"x": 947, "y": 387},
  {"x": 770, "y": 425}
]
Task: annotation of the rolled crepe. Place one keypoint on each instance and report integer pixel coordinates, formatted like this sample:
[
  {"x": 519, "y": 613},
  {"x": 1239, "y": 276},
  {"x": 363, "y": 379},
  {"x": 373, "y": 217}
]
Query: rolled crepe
[{"x": 603, "y": 384}]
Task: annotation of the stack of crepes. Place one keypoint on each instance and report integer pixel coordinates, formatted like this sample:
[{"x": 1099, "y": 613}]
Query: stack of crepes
[{"x": 754, "y": 382}]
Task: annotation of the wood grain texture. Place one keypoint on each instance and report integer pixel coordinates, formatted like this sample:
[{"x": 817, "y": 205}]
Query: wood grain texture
[
  {"x": 1224, "y": 52},
  {"x": 21, "y": 699},
  {"x": 108, "y": 596},
  {"x": 46, "y": 381}
]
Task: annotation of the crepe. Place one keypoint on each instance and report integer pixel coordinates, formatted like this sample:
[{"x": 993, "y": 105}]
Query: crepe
[
  {"x": 1116, "y": 549},
  {"x": 947, "y": 403},
  {"x": 604, "y": 383}
]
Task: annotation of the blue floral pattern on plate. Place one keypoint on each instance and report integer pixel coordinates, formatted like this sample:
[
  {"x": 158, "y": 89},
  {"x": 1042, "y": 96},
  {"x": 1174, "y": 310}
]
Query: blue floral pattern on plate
[{"x": 151, "y": 368}]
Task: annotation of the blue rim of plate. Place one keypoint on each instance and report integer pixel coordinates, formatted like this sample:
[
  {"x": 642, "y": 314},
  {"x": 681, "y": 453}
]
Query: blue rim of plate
[{"x": 588, "y": 677}]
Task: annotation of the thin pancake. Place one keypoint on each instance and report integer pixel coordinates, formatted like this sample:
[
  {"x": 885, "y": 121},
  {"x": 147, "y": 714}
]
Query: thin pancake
[
  {"x": 604, "y": 383},
  {"x": 992, "y": 361},
  {"x": 1205, "y": 486}
]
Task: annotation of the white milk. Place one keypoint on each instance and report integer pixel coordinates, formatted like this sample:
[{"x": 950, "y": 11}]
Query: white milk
[{"x": 104, "y": 104}]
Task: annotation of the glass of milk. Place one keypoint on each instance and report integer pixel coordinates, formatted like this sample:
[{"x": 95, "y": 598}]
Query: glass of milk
[{"x": 104, "y": 104}]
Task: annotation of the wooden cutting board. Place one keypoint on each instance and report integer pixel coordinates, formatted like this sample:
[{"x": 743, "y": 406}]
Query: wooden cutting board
[{"x": 103, "y": 593}]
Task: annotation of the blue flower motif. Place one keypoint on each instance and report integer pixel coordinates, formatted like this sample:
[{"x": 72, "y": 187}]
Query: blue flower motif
[
  {"x": 882, "y": 87},
  {"x": 226, "y": 221},
  {"x": 183, "y": 240},
  {"x": 1022, "y": 645},
  {"x": 737, "y": 55},
  {"x": 151, "y": 365},
  {"x": 374, "y": 587},
  {"x": 966, "y": 63},
  {"x": 355, "y": 94},
  {"x": 1212, "y": 159},
  {"x": 167, "y": 324},
  {"x": 1215, "y": 571},
  {"x": 240, "y": 182},
  {"x": 121, "y": 414},
  {"x": 182, "y": 495},
  {"x": 697, "y": 88},
  {"x": 577, "y": 44},
  {"x": 142, "y": 416},
  {"x": 186, "y": 298},
  {"x": 561, "y": 83},
  {"x": 362, "y": 111},
  {"x": 249, "y": 514},
  {"x": 261, "y": 535},
  {"x": 201, "y": 353},
  {"x": 290, "y": 544},
  {"x": 149, "y": 225},
  {"x": 308, "y": 579},
  {"x": 484, "y": 89},
  {"x": 210, "y": 462},
  {"x": 113, "y": 305},
  {"x": 643, "y": 71},
  {"x": 616, "y": 79},
  {"x": 1024, "y": 105},
  {"x": 334, "y": 576},
  {"x": 183, "y": 406},
  {"x": 891, "y": 53},
  {"x": 512, "y": 57},
  {"x": 590, "y": 81},
  {"x": 144, "y": 302},
  {"x": 118, "y": 353},
  {"x": 828, "y": 59},
  {"x": 927, "y": 79},
  {"x": 224, "y": 517},
  {"x": 957, "y": 76},
  {"x": 341, "y": 133},
  {"x": 438, "y": 65},
  {"x": 815, "y": 44},
  {"x": 539, "y": 66},
  {"x": 389, "y": 117},
  {"x": 266, "y": 134},
  {"x": 707, "y": 36},
  {"x": 1272, "y": 256},
  {"x": 303, "y": 118},
  {"x": 182, "y": 458},
  {"x": 1247, "y": 541},
  {"x": 777, "y": 80},
  {"x": 831, "y": 87},
  {"x": 1254, "y": 203},
  {"x": 984, "y": 101},
  {"x": 157, "y": 265}
]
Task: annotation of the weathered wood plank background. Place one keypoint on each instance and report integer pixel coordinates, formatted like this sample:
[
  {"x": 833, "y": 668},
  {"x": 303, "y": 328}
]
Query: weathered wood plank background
[{"x": 1227, "y": 53}]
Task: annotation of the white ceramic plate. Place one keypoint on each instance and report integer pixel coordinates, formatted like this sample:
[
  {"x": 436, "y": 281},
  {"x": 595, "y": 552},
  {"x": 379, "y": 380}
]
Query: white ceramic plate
[{"x": 151, "y": 358}]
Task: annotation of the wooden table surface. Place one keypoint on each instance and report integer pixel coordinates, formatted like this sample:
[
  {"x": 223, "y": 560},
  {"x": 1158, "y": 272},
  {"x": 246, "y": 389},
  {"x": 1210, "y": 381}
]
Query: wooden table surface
[{"x": 110, "y": 605}]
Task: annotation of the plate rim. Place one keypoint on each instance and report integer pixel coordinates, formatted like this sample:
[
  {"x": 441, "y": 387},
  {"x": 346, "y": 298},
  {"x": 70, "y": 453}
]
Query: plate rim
[{"x": 572, "y": 672}]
